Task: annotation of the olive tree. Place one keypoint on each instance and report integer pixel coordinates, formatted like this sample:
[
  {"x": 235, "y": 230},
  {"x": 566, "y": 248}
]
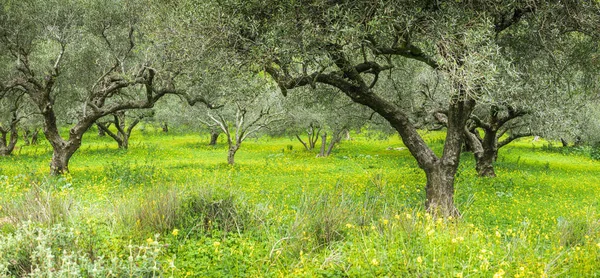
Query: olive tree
[
  {"x": 347, "y": 45},
  {"x": 248, "y": 109},
  {"x": 319, "y": 113},
  {"x": 124, "y": 123},
  {"x": 89, "y": 58}
]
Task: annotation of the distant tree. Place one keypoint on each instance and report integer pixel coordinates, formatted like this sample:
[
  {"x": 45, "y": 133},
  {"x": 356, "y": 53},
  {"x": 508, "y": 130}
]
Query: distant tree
[
  {"x": 124, "y": 122},
  {"x": 321, "y": 113}
]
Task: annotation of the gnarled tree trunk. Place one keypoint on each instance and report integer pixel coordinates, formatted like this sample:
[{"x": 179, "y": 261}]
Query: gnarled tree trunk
[
  {"x": 485, "y": 162},
  {"x": 60, "y": 158},
  {"x": 313, "y": 137},
  {"x": 123, "y": 132},
  {"x": 214, "y": 136},
  {"x": 8, "y": 145}
]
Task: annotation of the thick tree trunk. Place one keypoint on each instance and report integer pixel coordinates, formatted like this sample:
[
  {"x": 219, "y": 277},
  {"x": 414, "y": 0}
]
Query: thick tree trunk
[
  {"x": 440, "y": 190},
  {"x": 60, "y": 158},
  {"x": 214, "y": 136},
  {"x": 485, "y": 165},
  {"x": 485, "y": 162},
  {"x": 231, "y": 153}
]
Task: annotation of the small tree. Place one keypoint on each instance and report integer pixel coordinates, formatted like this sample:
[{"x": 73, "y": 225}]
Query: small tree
[
  {"x": 124, "y": 122},
  {"x": 244, "y": 117}
]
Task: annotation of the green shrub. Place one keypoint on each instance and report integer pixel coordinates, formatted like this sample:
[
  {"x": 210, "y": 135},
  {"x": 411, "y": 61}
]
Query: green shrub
[
  {"x": 55, "y": 251},
  {"x": 595, "y": 152},
  {"x": 206, "y": 209}
]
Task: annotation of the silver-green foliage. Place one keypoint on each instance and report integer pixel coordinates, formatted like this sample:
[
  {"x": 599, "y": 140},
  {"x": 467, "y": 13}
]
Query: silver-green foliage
[{"x": 57, "y": 251}]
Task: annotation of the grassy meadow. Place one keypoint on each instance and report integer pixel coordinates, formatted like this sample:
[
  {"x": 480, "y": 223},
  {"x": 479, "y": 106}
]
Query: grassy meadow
[{"x": 171, "y": 206}]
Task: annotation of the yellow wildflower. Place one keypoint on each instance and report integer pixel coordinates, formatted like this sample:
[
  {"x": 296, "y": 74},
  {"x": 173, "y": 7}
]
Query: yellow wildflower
[{"x": 499, "y": 274}]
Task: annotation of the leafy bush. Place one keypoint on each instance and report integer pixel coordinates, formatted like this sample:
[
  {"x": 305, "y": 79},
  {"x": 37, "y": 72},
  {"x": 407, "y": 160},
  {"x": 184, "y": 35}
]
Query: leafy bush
[
  {"x": 595, "y": 152},
  {"x": 35, "y": 251},
  {"x": 208, "y": 209}
]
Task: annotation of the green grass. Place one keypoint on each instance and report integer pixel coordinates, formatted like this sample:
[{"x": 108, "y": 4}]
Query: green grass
[{"x": 281, "y": 211}]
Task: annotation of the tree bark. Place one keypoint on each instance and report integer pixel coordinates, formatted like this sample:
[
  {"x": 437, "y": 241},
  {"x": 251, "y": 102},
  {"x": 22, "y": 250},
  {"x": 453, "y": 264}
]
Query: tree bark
[
  {"x": 165, "y": 127},
  {"x": 61, "y": 156},
  {"x": 231, "y": 153},
  {"x": 214, "y": 136},
  {"x": 125, "y": 142},
  {"x": 101, "y": 132},
  {"x": 440, "y": 190},
  {"x": 485, "y": 163},
  {"x": 337, "y": 137},
  {"x": 323, "y": 144},
  {"x": 303, "y": 143},
  {"x": 8, "y": 145},
  {"x": 34, "y": 136},
  {"x": 564, "y": 142}
]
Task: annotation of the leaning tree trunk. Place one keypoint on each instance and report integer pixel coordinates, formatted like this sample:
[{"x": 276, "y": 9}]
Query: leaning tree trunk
[
  {"x": 564, "y": 142},
  {"x": 231, "y": 153},
  {"x": 337, "y": 137},
  {"x": 214, "y": 136}
]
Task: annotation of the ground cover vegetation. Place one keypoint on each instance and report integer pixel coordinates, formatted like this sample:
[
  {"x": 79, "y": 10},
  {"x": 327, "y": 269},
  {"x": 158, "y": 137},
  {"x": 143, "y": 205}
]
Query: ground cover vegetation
[
  {"x": 299, "y": 138},
  {"x": 172, "y": 202}
]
